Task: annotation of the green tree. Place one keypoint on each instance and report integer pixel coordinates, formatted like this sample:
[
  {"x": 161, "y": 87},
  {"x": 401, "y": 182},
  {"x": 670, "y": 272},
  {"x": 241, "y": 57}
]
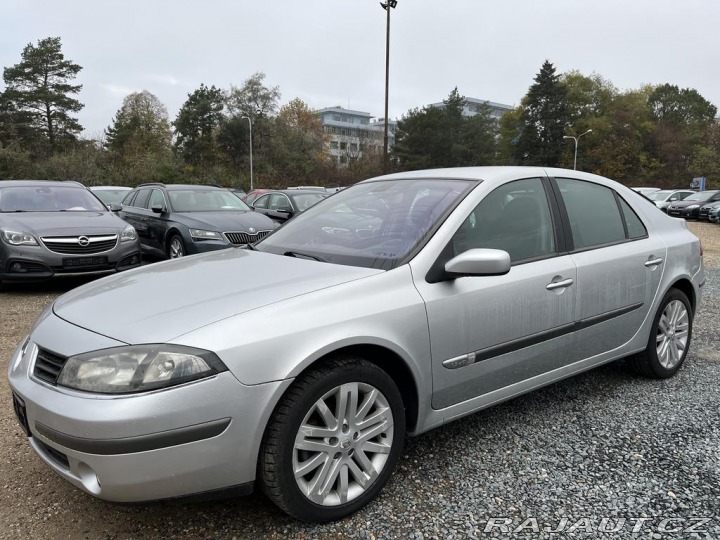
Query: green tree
[
  {"x": 543, "y": 121},
  {"x": 39, "y": 90},
  {"x": 196, "y": 128},
  {"x": 445, "y": 137},
  {"x": 140, "y": 126}
]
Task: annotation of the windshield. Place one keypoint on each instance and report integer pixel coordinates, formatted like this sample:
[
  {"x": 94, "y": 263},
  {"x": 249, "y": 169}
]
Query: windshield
[
  {"x": 211, "y": 200},
  {"x": 48, "y": 199},
  {"x": 701, "y": 196},
  {"x": 658, "y": 195},
  {"x": 110, "y": 196},
  {"x": 374, "y": 225}
]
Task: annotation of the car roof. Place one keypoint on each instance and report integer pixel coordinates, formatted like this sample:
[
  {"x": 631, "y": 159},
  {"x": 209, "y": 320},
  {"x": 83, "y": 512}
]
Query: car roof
[
  {"x": 491, "y": 175},
  {"x": 99, "y": 188},
  {"x": 40, "y": 183},
  {"x": 184, "y": 187},
  {"x": 298, "y": 191}
]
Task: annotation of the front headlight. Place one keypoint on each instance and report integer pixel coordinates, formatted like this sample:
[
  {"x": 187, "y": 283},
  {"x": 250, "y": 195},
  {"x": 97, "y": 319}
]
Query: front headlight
[
  {"x": 129, "y": 234},
  {"x": 16, "y": 238},
  {"x": 693, "y": 206},
  {"x": 138, "y": 368},
  {"x": 199, "y": 234}
]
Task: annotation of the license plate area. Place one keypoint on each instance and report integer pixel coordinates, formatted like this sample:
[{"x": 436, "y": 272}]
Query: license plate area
[
  {"x": 21, "y": 413},
  {"x": 84, "y": 262}
]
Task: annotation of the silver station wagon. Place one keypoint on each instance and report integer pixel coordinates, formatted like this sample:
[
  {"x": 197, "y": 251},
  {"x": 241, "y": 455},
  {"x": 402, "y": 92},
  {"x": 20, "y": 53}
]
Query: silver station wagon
[{"x": 301, "y": 363}]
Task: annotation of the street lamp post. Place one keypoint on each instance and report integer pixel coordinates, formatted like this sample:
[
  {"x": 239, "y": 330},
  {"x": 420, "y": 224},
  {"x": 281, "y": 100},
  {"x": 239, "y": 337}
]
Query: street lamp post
[
  {"x": 576, "y": 144},
  {"x": 251, "y": 166},
  {"x": 387, "y": 6}
]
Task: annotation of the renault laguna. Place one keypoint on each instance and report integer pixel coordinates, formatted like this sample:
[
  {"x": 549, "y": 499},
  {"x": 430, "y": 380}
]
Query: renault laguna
[{"x": 300, "y": 364}]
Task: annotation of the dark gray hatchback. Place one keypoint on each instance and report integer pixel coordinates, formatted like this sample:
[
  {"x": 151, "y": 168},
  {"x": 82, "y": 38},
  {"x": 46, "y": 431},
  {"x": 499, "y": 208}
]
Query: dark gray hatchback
[{"x": 50, "y": 228}]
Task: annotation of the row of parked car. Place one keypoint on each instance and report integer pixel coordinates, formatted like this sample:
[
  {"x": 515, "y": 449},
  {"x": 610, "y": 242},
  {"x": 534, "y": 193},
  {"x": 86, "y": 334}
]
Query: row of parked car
[
  {"x": 52, "y": 228},
  {"x": 686, "y": 203}
]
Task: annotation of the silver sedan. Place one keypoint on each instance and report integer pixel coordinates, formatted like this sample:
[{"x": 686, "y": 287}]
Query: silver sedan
[{"x": 300, "y": 364}]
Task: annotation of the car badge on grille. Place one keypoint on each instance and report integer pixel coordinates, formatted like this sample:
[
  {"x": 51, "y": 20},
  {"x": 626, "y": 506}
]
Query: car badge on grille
[
  {"x": 83, "y": 241},
  {"x": 252, "y": 230}
]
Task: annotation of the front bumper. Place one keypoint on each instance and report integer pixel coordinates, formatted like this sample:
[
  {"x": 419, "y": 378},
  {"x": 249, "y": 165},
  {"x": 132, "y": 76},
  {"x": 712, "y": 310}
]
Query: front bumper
[
  {"x": 684, "y": 212},
  {"x": 37, "y": 263},
  {"x": 195, "y": 438}
]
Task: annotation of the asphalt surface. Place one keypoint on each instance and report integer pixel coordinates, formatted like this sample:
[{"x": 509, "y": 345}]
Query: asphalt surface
[{"x": 604, "y": 451}]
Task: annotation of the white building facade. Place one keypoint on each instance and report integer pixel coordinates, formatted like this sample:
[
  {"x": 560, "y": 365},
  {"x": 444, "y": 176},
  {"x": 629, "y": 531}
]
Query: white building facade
[{"x": 352, "y": 134}]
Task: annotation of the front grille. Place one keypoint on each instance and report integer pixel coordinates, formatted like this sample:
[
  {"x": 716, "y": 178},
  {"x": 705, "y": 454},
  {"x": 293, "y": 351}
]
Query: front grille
[
  {"x": 80, "y": 245},
  {"x": 245, "y": 238},
  {"x": 48, "y": 366}
]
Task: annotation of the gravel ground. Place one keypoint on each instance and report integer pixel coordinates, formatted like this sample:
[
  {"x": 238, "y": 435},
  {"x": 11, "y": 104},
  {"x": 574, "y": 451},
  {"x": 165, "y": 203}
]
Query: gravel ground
[{"x": 605, "y": 450}]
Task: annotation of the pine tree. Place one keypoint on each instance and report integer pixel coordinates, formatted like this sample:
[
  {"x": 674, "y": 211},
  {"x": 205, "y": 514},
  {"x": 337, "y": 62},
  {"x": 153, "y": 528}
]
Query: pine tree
[
  {"x": 39, "y": 90},
  {"x": 543, "y": 120},
  {"x": 196, "y": 126}
]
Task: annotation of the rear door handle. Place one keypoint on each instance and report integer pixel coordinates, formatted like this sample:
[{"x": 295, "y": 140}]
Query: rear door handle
[
  {"x": 654, "y": 262},
  {"x": 559, "y": 284}
]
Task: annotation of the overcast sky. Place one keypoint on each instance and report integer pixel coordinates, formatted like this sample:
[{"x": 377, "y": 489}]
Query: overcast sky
[{"x": 332, "y": 52}]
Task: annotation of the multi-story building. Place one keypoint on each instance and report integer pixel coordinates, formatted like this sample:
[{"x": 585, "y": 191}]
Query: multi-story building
[
  {"x": 352, "y": 134},
  {"x": 472, "y": 107}
]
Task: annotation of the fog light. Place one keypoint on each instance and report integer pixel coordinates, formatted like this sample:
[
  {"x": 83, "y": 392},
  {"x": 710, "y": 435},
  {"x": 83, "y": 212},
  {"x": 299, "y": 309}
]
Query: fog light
[
  {"x": 17, "y": 267},
  {"x": 89, "y": 479}
]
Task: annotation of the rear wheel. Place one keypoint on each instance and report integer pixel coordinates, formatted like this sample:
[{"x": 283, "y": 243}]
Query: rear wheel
[
  {"x": 669, "y": 339},
  {"x": 333, "y": 440},
  {"x": 175, "y": 247}
]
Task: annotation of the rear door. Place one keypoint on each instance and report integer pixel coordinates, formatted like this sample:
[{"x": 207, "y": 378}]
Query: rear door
[{"x": 619, "y": 265}]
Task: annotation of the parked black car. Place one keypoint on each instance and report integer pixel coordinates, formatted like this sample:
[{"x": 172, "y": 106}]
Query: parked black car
[
  {"x": 174, "y": 220},
  {"x": 50, "y": 228},
  {"x": 690, "y": 208},
  {"x": 283, "y": 204}
]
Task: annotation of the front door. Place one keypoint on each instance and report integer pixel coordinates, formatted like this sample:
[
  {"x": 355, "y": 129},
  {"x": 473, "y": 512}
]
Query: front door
[{"x": 489, "y": 332}]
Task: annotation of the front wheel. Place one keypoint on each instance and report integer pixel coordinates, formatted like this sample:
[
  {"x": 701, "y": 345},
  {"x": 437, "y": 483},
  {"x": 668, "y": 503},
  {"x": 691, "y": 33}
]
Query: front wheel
[
  {"x": 669, "y": 338},
  {"x": 176, "y": 247},
  {"x": 333, "y": 440}
]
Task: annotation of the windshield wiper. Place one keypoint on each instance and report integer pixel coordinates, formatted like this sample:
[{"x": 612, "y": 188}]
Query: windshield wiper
[{"x": 305, "y": 255}]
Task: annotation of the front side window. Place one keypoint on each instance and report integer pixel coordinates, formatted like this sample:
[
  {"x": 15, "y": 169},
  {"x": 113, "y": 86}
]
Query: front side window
[
  {"x": 262, "y": 202},
  {"x": 514, "y": 218},
  {"x": 594, "y": 215},
  {"x": 156, "y": 198},
  {"x": 373, "y": 225}
]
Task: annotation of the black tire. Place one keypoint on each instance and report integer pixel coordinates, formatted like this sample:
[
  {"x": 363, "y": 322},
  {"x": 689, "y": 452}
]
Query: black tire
[
  {"x": 279, "y": 456},
  {"x": 648, "y": 362},
  {"x": 175, "y": 247}
]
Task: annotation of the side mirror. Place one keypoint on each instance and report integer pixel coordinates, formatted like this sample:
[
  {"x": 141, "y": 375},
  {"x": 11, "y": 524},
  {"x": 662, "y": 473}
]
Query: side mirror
[
  {"x": 672, "y": 199},
  {"x": 479, "y": 262},
  {"x": 115, "y": 207},
  {"x": 158, "y": 209},
  {"x": 285, "y": 210}
]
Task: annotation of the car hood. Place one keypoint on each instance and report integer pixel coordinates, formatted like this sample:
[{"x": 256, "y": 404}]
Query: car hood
[
  {"x": 226, "y": 221},
  {"x": 162, "y": 301},
  {"x": 62, "y": 223},
  {"x": 684, "y": 204}
]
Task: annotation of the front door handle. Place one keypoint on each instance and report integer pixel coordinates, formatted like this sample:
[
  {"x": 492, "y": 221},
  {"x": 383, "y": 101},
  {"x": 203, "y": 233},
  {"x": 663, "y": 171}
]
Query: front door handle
[
  {"x": 653, "y": 262},
  {"x": 559, "y": 284}
]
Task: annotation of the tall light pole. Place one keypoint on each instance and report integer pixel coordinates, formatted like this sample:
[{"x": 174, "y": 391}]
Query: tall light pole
[
  {"x": 387, "y": 6},
  {"x": 251, "y": 169},
  {"x": 576, "y": 144}
]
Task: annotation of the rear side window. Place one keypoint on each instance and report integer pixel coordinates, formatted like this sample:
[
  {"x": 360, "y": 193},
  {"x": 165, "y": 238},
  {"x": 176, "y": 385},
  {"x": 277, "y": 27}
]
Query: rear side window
[
  {"x": 635, "y": 227},
  {"x": 595, "y": 214},
  {"x": 128, "y": 200}
]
